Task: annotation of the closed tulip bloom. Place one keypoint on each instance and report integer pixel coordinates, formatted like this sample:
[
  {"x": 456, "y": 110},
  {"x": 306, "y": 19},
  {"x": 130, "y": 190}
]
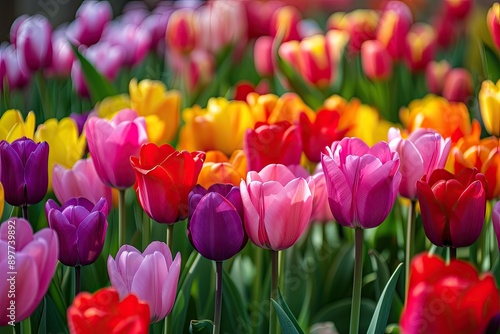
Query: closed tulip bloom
[
  {"x": 104, "y": 312},
  {"x": 453, "y": 207},
  {"x": 81, "y": 228},
  {"x": 420, "y": 46},
  {"x": 133, "y": 40},
  {"x": 18, "y": 76},
  {"x": 24, "y": 171},
  {"x": 466, "y": 300},
  {"x": 493, "y": 22},
  {"x": 271, "y": 144},
  {"x": 152, "y": 276},
  {"x": 285, "y": 21},
  {"x": 489, "y": 103},
  {"x": 36, "y": 261},
  {"x": 15, "y": 27},
  {"x": 263, "y": 56},
  {"x": 91, "y": 19},
  {"x": 164, "y": 178},
  {"x": 458, "y": 86},
  {"x": 458, "y": 9},
  {"x": 423, "y": 152},
  {"x": 376, "y": 61},
  {"x": 359, "y": 25},
  {"x": 112, "y": 143},
  {"x": 217, "y": 168},
  {"x": 317, "y": 67},
  {"x": 13, "y": 126},
  {"x": 181, "y": 31},
  {"x": 393, "y": 27},
  {"x": 80, "y": 181},
  {"x": 34, "y": 43},
  {"x": 62, "y": 56},
  {"x": 362, "y": 182},
  {"x": 277, "y": 206},
  {"x": 435, "y": 74},
  {"x": 215, "y": 227}
]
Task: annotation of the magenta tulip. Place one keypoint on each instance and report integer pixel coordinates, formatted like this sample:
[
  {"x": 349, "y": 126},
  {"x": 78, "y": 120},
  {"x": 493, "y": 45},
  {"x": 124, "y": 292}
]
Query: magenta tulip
[
  {"x": 17, "y": 74},
  {"x": 133, "y": 40},
  {"x": 62, "y": 55},
  {"x": 91, "y": 19},
  {"x": 112, "y": 143},
  {"x": 33, "y": 268},
  {"x": 277, "y": 206},
  {"x": 80, "y": 181},
  {"x": 34, "y": 43},
  {"x": 362, "y": 182},
  {"x": 152, "y": 276},
  {"x": 423, "y": 152}
]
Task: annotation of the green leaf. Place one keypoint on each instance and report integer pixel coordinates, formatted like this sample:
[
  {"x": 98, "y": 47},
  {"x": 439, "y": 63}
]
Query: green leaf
[
  {"x": 99, "y": 87},
  {"x": 57, "y": 296},
  {"x": 381, "y": 314},
  {"x": 234, "y": 315},
  {"x": 491, "y": 62},
  {"x": 380, "y": 268},
  {"x": 339, "y": 313},
  {"x": 201, "y": 326},
  {"x": 288, "y": 323}
]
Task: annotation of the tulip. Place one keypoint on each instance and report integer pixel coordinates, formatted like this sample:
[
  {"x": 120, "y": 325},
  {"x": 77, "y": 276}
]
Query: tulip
[
  {"x": 159, "y": 107},
  {"x": 16, "y": 72},
  {"x": 448, "y": 298},
  {"x": 80, "y": 181},
  {"x": 215, "y": 227},
  {"x": 181, "y": 32},
  {"x": 446, "y": 31},
  {"x": 217, "y": 168},
  {"x": 152, "y": 276},
  {"x": 164, "y": 178},
  {"x": 15, "y": 27},
  {"x": 91, "y": 19},
  {"x": 81, "y": 228},
  {"x": 423, "y": 152},
  {"x": 458, "y": 86},
  {"x": 360, "y": 26},
  {"x": 321, "y": 209},
  {"x": 263, "y": 56},
  {"x": 133, "y": 40},
  {"x": 34, "y": 43},
  {"x": 393, "y": 27},
  {"x": 489, "y": 103},
  {"x": 199, "y": 71},
  {"x": 435, "y": 74},
  {"x": 35, "y": 264},
  {"x": 12, "y": 125},
  {"x": 452, "y": 206},
  {"x": 277, "y": 206},
  {"x": 290, "y": 52},
  {"x": 376, "y": 61},
  {"x": 156, "y": 25},
  {"x": 2, "y": 199},
  {"x": 316, "y": 65},
  {"x": 80, "y": 120},
  {"x": 320, "y": 133},
  {"x": 62, "y": 56},
  {"x": 111, "y": 143},
  {"x": 284, "y": 23},
  {"x": 495, "y": 218},
  {"x": 103, "y": 312},
  {"x": 458, "y": 9},
  {"x": 23, "y": 171},
  {"x": 272, "y": 109},
  {"x": 420, "y": 46},
  {"x": 272, "y": 143},
  {"x": 66, "y": 145},
  {"x": 493, "y": 22}
]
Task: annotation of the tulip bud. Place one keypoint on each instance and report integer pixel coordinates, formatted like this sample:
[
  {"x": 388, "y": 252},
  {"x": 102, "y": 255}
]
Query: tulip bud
[
  {"x": 34, "y": 43},
  {"x": 15, "y": 27},
  {"x": 317, "y": 68},
  {"x": 376, "y": 61},
  {"x": 458, "y": 9},
  {"x": 493, "y": 22},
  {"x": 181, "y": 31},
  {"x": 15, "y": 71},
  {"x": 435, "y": 73},
  {"x": 134, "y": 41},
  {"x": 285, "y": 21},
  {"x": 420, "y": 46},
  {"x": 200, "y": 70},
  {"x": 446, "y": 31},
  {"x": 290, "y": 52},
  {"x": 394, "y": 24},
  {"x": 458, "y": 85},
  {"x": 263, "y": 50},
  {"x": 62, "y": 56},
  {"x": 336, "y": 42},
  {"x": 91, "y": 19},
  {"x": 489, "y": 103}
]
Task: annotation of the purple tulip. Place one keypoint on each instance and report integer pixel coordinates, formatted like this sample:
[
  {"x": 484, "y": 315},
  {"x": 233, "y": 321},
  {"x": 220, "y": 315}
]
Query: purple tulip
[
  {"x": 62, "y": 56},
  {"x": 17, "y": 74},
  {"x": 15, "y": 27},
  {"x": 134, "y": 40},
  {"x": 152, "y": 276},
  {"x": 80, "y": 120},
  {"x": 215, "y": 226},
  {"x": 81, "y": 228},
  {"x": 24, "y": 171},
  {"x": 36, "y": 260},
  {"x": 91, "y": 19},
  {"x": 362, "y": 182},
  {"x": 34, "y": 43}
]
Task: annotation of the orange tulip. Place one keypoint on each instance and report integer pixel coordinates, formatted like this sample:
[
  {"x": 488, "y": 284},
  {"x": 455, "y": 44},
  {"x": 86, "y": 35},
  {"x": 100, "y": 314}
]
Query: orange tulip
[
  {"x": 270, "y": 108},
  {"x": 217, "y": 168}
]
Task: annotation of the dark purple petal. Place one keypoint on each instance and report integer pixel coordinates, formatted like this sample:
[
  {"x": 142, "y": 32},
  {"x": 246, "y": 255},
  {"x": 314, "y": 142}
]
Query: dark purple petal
[
  {"x": 24, "y": 147},
  {"x": 66, "y": 234},
  {"x": 91, "y": 234},
  {"x": 194, "y": 198},
  {"x": 79, "y": 201},
  {"x": 36, "y": 173},
  {"x": 80, "y": 120},
  {"x": 234, "y": 197},
  {"x": 220, "y": 188},
  {"x": 12, "y": 175}
]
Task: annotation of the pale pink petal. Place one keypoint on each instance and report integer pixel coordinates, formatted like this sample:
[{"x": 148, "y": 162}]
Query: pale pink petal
[
  {"x": 28, "y": 289},
  {"x": 169, "y": 290},
  {"x": 277, "y": 172},
  {"x": 23, "y": 232},
  {"x": 251, "y": 212},
  {"x": 412, "y": 169},
  {"x": 157, "y": 246}
]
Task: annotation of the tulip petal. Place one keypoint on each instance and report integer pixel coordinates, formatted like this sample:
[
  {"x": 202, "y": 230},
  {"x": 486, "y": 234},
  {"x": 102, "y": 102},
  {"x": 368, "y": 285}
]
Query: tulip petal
[
  {"x": 411, "y": 168},
  {"x": 45, "y": 251},
  {"x": 251, "y": 211},
  {"x": 169, "y": 291},
  {"x": 495, "y": 217},
  {"x": 36, "y": 174},
  {"x": 276, "y": 172},
  {"x": 12, "y": 175},
  {"x": 23, "y": 232},
  {"x": 91, "y": 234},
  {"x": 157, "y": 246},
  {"x": 68, "y": 252},
  {"x": 433, "y": 217}
]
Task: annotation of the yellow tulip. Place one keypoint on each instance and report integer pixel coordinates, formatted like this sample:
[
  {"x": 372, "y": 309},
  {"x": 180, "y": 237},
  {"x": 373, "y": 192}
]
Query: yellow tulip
[
  {"x": 217, "y": 168},
  {"x": 108, "y": 107},
  {"x": 270, "y": 108},
  {"x": 13, "y": 127},
  {"x": 66, "y": 146},
  {"x": 159, "y": 107},
  {"x": 220, "y": 126},
  {"x": 489, "y": 103}
]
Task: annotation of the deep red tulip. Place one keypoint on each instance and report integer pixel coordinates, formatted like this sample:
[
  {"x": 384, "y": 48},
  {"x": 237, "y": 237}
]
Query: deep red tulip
[
  {"x": 452, "y": 206},
  {"x": 164, "y": 178}
]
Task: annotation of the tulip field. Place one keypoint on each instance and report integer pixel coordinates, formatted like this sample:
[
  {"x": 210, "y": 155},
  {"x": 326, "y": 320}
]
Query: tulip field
[{"x": 252, "y": 166}]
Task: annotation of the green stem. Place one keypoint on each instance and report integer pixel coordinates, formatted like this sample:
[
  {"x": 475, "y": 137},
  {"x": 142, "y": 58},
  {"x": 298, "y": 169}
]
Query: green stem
[
  {"x": 121, "y": 218},
  {"x": 273, "y": 321},
  {"x": 25, "y": 212},
  {"x": 257, "y": 286},
  {"x": 77, "y": 280},
  {"x": 453, "y": 253},
  {"x": 167, "y": 325},
  {"x": 26, "y": 326},
  {"x": 145, "y": 230},
  {"x": 218, "y": 296},
  {"x": 281, "y": 271},
  {"x": 410, "y": 236},
  {"x": 170, "y": 236},
  {"x": 358, "y": 276},
  {"x": 42, "y": 90}
]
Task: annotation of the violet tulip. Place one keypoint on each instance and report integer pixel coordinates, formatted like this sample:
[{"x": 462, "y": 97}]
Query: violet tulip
[
  {"x": 277, "y": 206},
  {"x": 215, "y": 227},
  {"x": 112, "y": 143},
  {"x": 24, "y": 171},
  {"x": 362, "y": 182},
  {"x": 423, "y": 152},
  {"x": 81, "y": 228},
  {"x": 91, "y": 19},
  {"x": 36, "y": 260},
  {"x": 152, "y": 276},
  {"x": 34, "y": 43}
]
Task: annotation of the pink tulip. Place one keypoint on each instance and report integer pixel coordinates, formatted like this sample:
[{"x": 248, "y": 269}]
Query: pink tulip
[
  {"x": 152, "y": 276},
  {"x": 35, "y": 263},
  {"x": 34, "y": 43},
  {"x": 15, "y": 27},
  {"x": 458, "y": 85},
  {"x": 423, "y": 152},
  {"x": 277, "y": 206},
  {"x": 376, "y": 61},
  {"x": 362, "y": 182},
  {"x": 91, "y": 19},
  {"x": 133, "y": 40},
  {"x": 112, "y": 143},
  {"x": 321, "y": 212},
  {"x": 17, "y": 75},
  {"x": 62, "y": 55},
  {"x": 263, "y": 56},
  {"x": 80, "y": 181}
]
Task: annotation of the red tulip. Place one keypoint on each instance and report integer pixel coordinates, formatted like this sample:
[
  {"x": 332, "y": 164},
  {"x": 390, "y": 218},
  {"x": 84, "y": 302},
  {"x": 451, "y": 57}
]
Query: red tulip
[
  {"x": 376, "y": 61},
  {"x": 452, "y": 206},
  {"x": 164, "y": 178},
  {"x": 448, "y": 298}
]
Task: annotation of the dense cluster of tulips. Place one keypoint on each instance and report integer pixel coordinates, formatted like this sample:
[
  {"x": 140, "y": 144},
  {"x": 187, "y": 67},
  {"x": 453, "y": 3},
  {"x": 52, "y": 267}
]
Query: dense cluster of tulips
[{"x": 358, "y": 150}]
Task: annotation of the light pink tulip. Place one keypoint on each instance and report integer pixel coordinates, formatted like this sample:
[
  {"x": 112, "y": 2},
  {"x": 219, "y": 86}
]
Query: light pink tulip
[
  {"x": 152, "y": 276},
  {"x": 62, "y": 55},
  {"x": 80, "y": 181},
  {"x": 321, "y": 212},
  {"x": 17, "y": 75},
  {"x": 277, "y": 206},
  {"x": 263, "y": 56},
  {"x": 91, "y": 19},
  {"x": 362, "y": 182},
  {"x": 34, "y": 43},
  {"x": 35, "y": 264},
  {"x": 423, "y": 152},
  {"x": 112, "y": 143},
  {"x": 133, "y": 40}
]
